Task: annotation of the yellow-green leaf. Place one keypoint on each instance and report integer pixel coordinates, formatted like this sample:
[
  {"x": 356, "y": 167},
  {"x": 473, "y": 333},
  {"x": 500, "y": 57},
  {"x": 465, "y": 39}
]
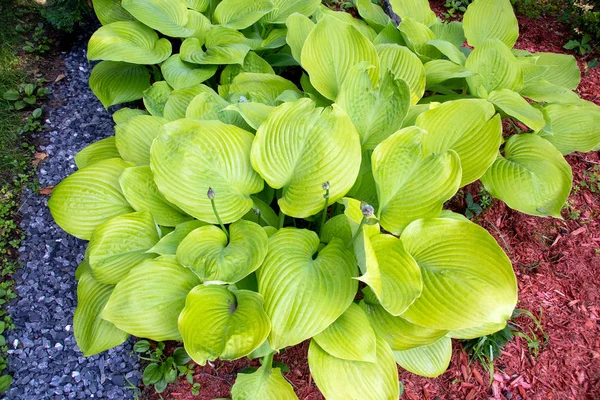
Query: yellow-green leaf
[
  {"x": 430, "y": 361},
  {"x": 491, "y": 19}
]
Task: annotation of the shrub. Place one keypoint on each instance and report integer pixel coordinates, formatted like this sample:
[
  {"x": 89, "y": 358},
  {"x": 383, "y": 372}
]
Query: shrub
[
  {"x": 243, "y": 215},
  {"x": 65, "y": 15}
]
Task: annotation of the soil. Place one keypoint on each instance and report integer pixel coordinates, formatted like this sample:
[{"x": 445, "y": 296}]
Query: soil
[{"x": 556, "y": 263}]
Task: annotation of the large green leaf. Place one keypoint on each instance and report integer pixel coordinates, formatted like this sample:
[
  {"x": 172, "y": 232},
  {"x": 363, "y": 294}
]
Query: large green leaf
[
  {"x": 449, "y": 50},
  {"x": 438, "y": 71},
  {"x": 331, "y": 49},
  {"x": 101, "y": 150},
  {"x": 208, "y": 252},
  {"x": 531, "y": 177},
  {"x": 148, "y": 301},
  {"x": 156, "y": 96},
  {"x": 347, "y": 18},
  {"x": 252, "y": 63},
  {"x": 223, "y": 46},
  {"x": 134, "y": 137},
  {"x": 253, "y": 113},
  {"x": 467, "y": 278},
  {"x": 373, "y": 14},
  {"x": 411, "y": 185},
  {"x": 397, "y": 331},
  {"x": 303, "y": 294},
  {"x": 491, "y": 19},
  {"x": 128, "y": 41},
  {"x": 404, "y": 64},
  {"x": 340, "y": 379},
  {"x": 93, "y": 334},
  {"x": 350, "y": 337},
  {"x": 109, "y": 11},
  {"x": 240, "y": 14},
  {"x": 496, "y": 68},
  {"x": 120, "y": 244},
  {"x": 452, "y": 32},
  {"x": 118, "y": 82},
  {"x": 265, "y": 384},
  {"x": 171, "y": 18},
  {"x": 299, "y": 147},
  {"x": 168, "y": 244},
  {"x": 417, "y": 36},
  {"x": 89, "y": 197},
  {"x": 222, "y": 322},
  {"x": 284, "y": 8},
  {"x": 189, "y": 157},
  {"x": 559, "y": 69},
  {"x": 419, "y": 10},
  {"x": 392, "y": 273},
  {"x": 430, "y": 360},
  {"x": 573, "y": 127},
  {"x": 138, "y": 186},
  {"x": 180, "y": 74},
  {"x": 545, "y": 92},
  {"x": 470, "y": 128},
  {"x": 258, "y": 87},
  {"x": 376, "y": 112},
  {"x": 516, "y": 106},
  {"x": 124, "y": 114},
  {"x": 180, "y": 99}
]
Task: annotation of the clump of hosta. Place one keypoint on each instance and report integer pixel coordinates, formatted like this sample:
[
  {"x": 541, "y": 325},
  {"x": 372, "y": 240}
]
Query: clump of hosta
[{"x": 242, "y": 214}]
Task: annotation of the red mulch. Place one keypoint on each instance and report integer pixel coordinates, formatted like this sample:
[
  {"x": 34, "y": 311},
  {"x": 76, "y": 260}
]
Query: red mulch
[{"x": 557, "y": 263}]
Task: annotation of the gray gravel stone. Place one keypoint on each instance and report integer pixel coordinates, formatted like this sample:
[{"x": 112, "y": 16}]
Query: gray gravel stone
[{"x": 44, "y": 359}]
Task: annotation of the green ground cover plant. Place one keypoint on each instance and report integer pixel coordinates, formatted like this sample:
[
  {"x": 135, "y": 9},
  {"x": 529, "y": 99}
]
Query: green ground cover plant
[{"x": 287, "y": 177}]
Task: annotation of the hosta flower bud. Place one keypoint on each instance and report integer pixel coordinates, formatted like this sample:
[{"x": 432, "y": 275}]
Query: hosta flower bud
[
  {"x": 210, "y": 194},
  {"x": 243, "y": 99},
  {"x": 326, "y": 186},
  {"x": 256, "y": 211},
  {"x": 367, "y": 210}
]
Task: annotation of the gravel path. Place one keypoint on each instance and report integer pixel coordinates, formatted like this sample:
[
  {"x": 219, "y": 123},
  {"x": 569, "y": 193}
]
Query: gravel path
[{"x": 44, "y": 359}]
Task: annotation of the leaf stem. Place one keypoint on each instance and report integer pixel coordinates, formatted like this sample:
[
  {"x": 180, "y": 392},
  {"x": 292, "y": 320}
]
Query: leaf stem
[
  {"x": 267, "y": 362},
  {"x": 211, "y": 197},
  {"x": 281, "y": 219},
  {"x": 324, "y": 214},
  {"x": 358, "y": 231}
]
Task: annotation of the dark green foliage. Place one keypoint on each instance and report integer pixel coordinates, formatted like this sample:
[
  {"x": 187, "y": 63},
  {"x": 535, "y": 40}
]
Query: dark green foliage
[
  {"x": 164, "y": 369},
  {"x": 64, "y": 15}
]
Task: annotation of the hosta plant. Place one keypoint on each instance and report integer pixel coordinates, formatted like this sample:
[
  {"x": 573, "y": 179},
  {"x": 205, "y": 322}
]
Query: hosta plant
[{"x": 287, "y": 178}]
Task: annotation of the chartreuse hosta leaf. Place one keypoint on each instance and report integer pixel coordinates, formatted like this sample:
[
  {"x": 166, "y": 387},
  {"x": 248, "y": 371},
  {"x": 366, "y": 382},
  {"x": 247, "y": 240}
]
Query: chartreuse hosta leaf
[
  {"x": 299, "y": 147},
  {"x": 516, "y": 106},
  {"x": 392, "y": 273},
  {"x": 221, "y": 161},
  {"x": 343, "y": 379},
  {"x": 93, "y": 334},
  {"x": 438, "y": 71},
  {"x": 389, "y": 35},
  {"x": 89, "y": 197},
  {"x": 252, "y": 63},
  {"x": 171, "y": 18},
  {"x": 404, "y": 64},
  {"x": 109, "y": 11},
  {"x": 180, "y": 99},
  {"x": 417, "y": 35},
  {"x": 240, "y": 14},
  {"x": 545, "y": 92},
  {"x": 531, "y": 177},
  {"x": 331, "y": 49},
  {"x": 147, "y": 302},
  {"x": 377, "y": 112},
  {"x": 208, "y": 253},
  {"x": 373, "y": 14},
  {"x": 168, "y": 244},
  {"x": 304, "y": 294},
  {"x": 120, "y": 244},
  {"x": 134, "y": 137},
  {"x": 496, "y": 68},
  {"x": 573, "y": 127},
  {"x": 198, "y": 5},
  {"x": 222, "y": 322},
  {"x": 449, "y": 50},
  {"x": 397, "y": 331},
  {"x": 491, "y": 19},
  {"x": 350, "y": 337},
  {"x": 124, "y": 114},
  {"x": 431, "y": 360},
  {"x": 265, "y": 384},
  {"x": 284, "y": 8},
  {"x": 258, "y": 87},
  {"x": 223, "y": 46},
  {"x": 118, "y": 82},
  {"x": 467, "y": 278},
  {"x": 419, "y": 10},
  {"x": 347, "y": 18},
  {"x": 452, "y": 32},
  {"x": 128, "y": 41},
  {"x": 478, "y": 331},
  {"x": 138, "y": 186},
  {"x": 156, "y": 96},
  {"x": 253, "y": 113},
  {"x": 101, "y": 150},
  {"x": 411, "y": 183},
  {"x": 470, "y": 128},
  {"x": 559, "y": 69},
  {"x": 180, "y": 74}
]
